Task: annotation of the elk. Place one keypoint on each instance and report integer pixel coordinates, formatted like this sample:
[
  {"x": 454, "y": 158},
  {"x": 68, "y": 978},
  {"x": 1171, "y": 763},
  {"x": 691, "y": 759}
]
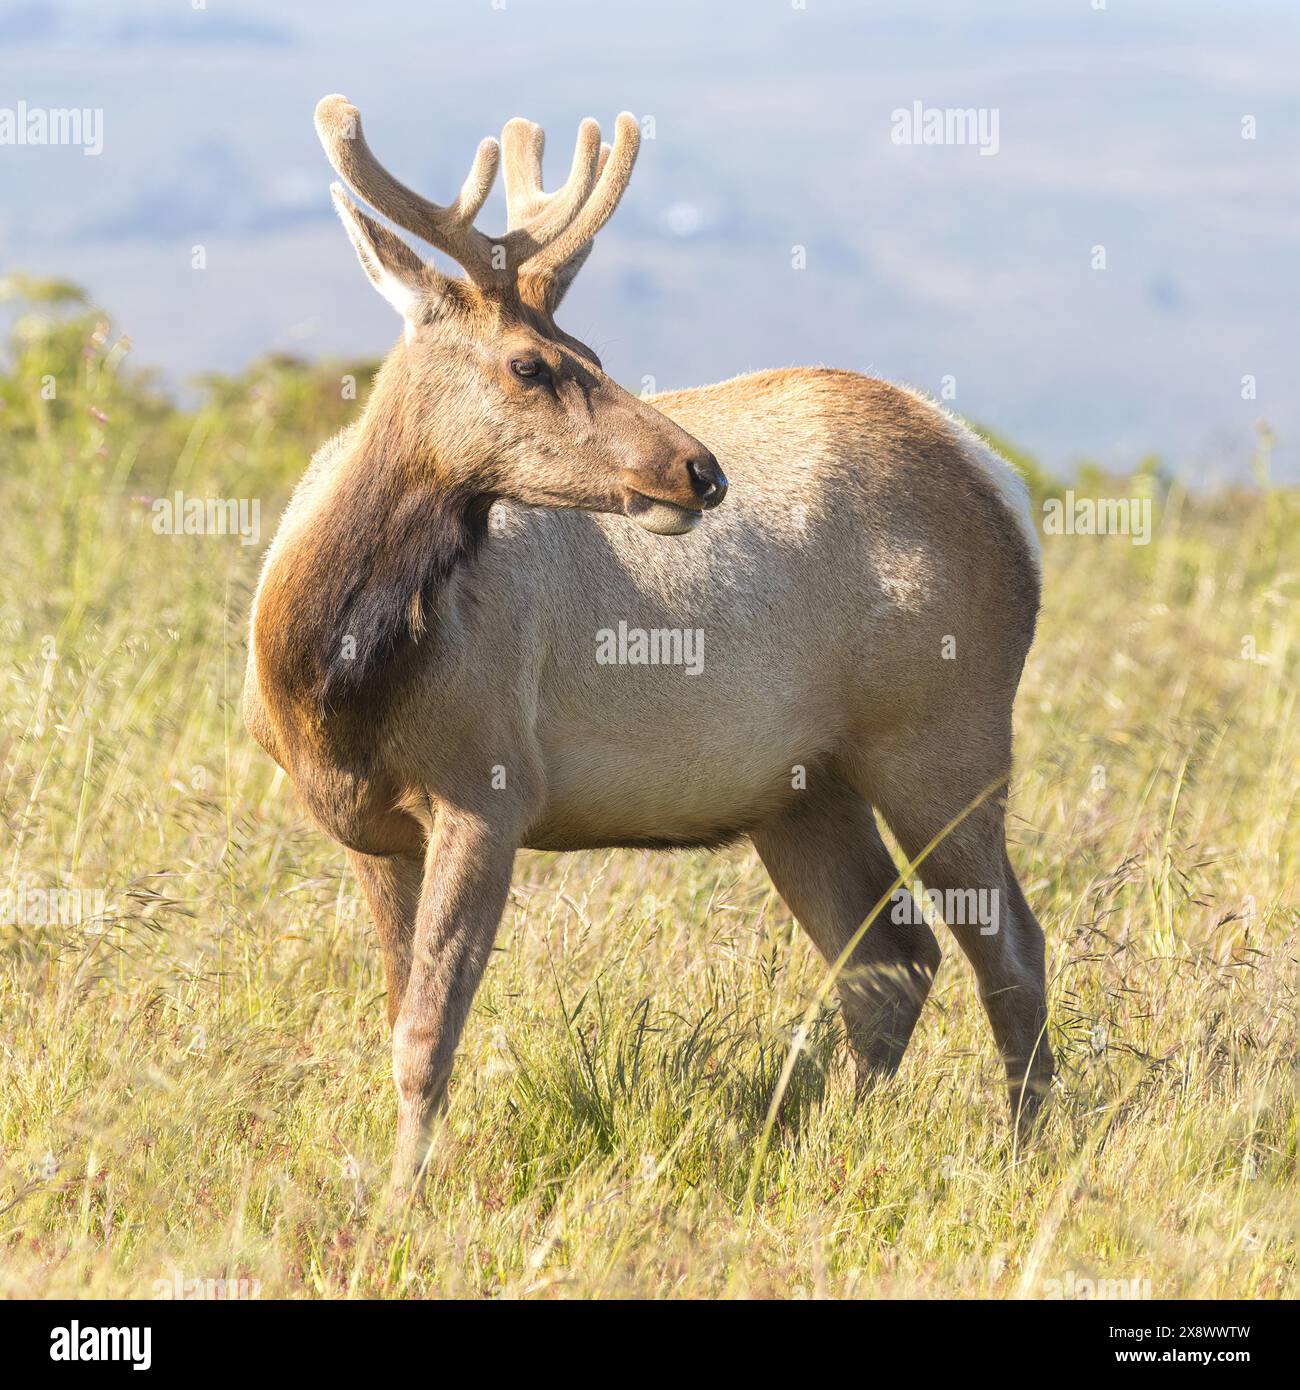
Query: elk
[{"x": 423, "y": 648}]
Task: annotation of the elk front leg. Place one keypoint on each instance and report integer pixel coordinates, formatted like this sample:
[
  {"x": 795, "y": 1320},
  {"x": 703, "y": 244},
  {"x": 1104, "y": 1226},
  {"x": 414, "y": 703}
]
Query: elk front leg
[
  {"x": 466, "y": 882},
  {"x": 391, "y": 884}
]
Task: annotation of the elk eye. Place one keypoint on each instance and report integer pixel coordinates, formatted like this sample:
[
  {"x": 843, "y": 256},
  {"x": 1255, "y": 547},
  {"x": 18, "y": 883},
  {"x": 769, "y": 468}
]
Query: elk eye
[{"x": 529, "y": 368}]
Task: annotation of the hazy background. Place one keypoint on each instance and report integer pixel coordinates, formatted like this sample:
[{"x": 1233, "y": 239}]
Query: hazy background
[{"x": 1119, "y": 127}]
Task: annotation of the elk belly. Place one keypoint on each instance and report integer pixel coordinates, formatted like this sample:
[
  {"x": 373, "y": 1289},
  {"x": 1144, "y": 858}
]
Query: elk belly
[{"x": 605, "y": 791}]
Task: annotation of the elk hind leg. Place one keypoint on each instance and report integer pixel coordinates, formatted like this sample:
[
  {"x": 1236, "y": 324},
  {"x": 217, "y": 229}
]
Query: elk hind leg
[
  {"x": 969, "y": 867},
  {"x": 828, "y": 862}
]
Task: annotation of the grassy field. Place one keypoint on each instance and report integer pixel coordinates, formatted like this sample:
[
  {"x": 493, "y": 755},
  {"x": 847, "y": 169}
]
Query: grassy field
[{"x": 196, "y": 1082}]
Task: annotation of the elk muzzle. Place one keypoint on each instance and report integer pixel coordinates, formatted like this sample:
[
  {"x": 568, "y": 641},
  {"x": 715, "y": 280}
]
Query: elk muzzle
[{"x": 670, "y": 499}]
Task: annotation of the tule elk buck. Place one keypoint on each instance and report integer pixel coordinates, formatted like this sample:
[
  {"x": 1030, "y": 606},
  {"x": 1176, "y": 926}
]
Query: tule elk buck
[{"x": 429, "y": 679}]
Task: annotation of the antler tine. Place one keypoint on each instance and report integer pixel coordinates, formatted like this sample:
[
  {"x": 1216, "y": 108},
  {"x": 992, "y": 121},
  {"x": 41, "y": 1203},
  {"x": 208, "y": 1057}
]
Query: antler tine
[
  {"x": 522, "y": 144},
  {"x": 450, "y": 229},
  {"x": 482, "y": 175},
  {"x": 535, "y": 217},
  {"x": 591, "y": 215}
]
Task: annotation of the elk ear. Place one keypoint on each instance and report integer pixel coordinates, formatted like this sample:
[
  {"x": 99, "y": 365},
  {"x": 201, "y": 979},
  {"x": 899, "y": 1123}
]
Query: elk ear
[{"x": 390, "y": 264}]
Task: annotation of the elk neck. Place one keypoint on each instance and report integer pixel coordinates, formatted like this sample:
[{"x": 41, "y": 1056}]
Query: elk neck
[{"x": 353, "y": 598}]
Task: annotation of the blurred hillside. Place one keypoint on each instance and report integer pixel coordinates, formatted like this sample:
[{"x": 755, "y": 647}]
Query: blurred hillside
[
  {"x": 1119, "y": 127},
  {"x": 73, "y": 398}
]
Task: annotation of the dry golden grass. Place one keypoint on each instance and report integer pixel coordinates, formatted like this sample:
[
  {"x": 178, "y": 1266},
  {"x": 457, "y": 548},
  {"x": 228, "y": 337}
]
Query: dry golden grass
[{"x": 198, "y": 1087}]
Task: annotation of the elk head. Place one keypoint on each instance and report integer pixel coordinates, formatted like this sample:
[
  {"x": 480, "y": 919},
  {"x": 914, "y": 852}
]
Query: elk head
[{"x": 485, "y": 392}]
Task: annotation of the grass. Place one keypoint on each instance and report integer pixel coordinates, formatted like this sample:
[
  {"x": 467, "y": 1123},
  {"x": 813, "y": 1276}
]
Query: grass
[{"x": 196, "y": 1084}]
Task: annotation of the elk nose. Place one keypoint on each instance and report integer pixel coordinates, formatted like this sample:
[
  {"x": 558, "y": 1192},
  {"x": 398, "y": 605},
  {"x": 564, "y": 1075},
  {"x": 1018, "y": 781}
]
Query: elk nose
[{"x": 708, "y": 481}]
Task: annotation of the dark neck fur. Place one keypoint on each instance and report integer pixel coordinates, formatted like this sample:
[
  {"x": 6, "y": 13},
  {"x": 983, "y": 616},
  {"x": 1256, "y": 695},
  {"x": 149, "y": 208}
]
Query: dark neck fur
[{"x": 355, "y": 599}]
